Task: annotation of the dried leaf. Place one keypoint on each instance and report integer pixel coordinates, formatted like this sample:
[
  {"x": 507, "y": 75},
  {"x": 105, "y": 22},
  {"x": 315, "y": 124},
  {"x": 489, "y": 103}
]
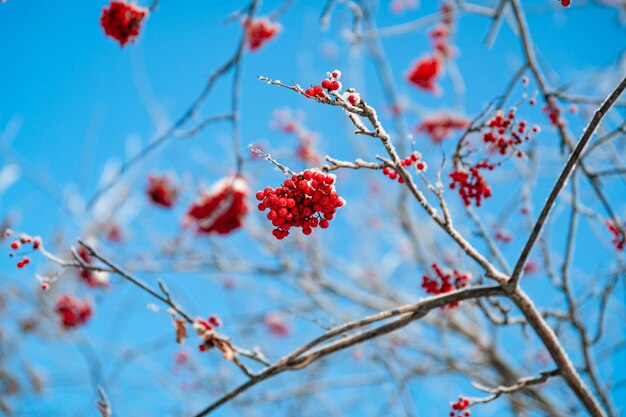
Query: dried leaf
[{"x": 181, "y": 330}]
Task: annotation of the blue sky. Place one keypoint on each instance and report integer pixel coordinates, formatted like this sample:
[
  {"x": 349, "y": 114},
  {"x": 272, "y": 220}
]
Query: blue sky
[{"x": 73, "y": 102}]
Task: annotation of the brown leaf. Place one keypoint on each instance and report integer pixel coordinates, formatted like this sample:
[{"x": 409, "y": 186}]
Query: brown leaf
[
  {"x": 225, "y": 347},
  {"x": 181, "y": 330}
]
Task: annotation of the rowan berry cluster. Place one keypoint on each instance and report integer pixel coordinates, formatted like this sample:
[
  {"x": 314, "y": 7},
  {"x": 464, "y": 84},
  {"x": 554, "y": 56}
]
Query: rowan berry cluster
[
  {"x": 205, "y": 329},
  {"x": 72, "y": 311},
  {"x": 413, "y": 159},
  {"x": 531, "y": 267},
  {"x": 22, "y": 242},
  {"x": 441, "y": 126},
  {"x": 459, "y": 408},
  {"x": 331, "y": 83},
  {"x": 222, "y": 209},
  {"x": 93, "y": 279},
  {"x": 305, "y": 200},
  {"x": 206, "y": 326},
  {"x": 114, "y": 233},
  {"x": 471, "y": 184},
  {"x": 619, "y": 239},
  {"x": 122, "y": 21},
  {"x": 553, "y": 111},
  {"x": 290, "y": 123},
  {"x": 503, "y": 237},
  {"x": 444, "y": 282},
  {"x": 161, "y": 190},
  {"x": 276, "y": 324},
  {"x": 505, "y": 133},
  {"x": 442, "y": 33},
  {"x": 260, "y": 31},
  {"x": 424, "y": 73},
  {"x": 398, "y": 6}
]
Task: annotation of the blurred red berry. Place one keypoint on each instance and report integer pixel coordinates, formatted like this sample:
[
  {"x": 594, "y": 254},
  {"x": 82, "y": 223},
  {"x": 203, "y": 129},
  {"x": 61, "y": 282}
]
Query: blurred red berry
[
  {"x": 122, "y": 21},
  {"x": 222, "y": 209},
  {"x": 72, "y": 312}
]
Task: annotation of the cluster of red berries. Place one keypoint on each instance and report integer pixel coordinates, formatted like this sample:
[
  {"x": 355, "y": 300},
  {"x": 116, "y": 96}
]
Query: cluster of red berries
[
  {"x": 505, "y": 134},
  {"x": 205, "y": 329},
  {"x": 72, "y": 312},
  {"x": 20, "y": 241},
  {"x": 553, "y": 111},
  {"x": 122, "y": 21},
  {"x": 441, "y": 34},
  {"x": 414, "y": 158},
  {"x": 459, "y": 408},
  {"x": 444, "y": 283},
  {"x": 114, "y": 233},
  {"x": 161, "y": 190},
  {"x": 398, "y": 6},
  {"x": 260, "y": 31},
  {"x": 503, "y": 237},
  {"x": 181, "y": 358},
  {"x": 285, "y": 121},
  {"x": 472, "y": 185},
  {"x": 222, "y": 209},
  {"x": 93, "y": 279},
  {"x": 531, "y": 267},
  {"x": 306, "y": 200},
  {"x": 441, "y": 126},
  {"x": 425, "y": 71},
  {"x": 208, "y": 325},
  {"x": 331, "y": 83},
  {"x": 619, "y": 239},
  {"x": 276, "y": 324}
]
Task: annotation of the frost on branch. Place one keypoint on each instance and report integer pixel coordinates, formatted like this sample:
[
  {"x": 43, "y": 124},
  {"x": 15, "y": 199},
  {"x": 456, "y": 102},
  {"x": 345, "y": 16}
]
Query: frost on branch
[
  {"x": 25, "y": 244},
  {"x": 93, "y": 279},
  {"x": 328, "y": 85},
  {"x": 460, "y": 408},
  {"x": 206, "y": 331}
]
